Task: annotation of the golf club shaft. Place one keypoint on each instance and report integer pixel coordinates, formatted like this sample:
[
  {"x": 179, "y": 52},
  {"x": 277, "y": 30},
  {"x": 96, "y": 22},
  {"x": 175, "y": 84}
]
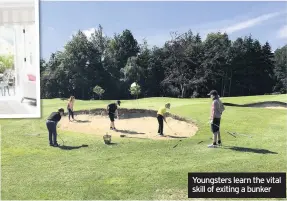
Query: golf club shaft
[
  {"x": 231, "y": 134},
  {"x": 171, "y": 129},
  {"x": 61, "y": 139},
  {"x": 243, "y": 135},
  {"x": 227, "y": 131},
  {"x": 213, "y": 124},
  {"x": 177, "y": 144}
]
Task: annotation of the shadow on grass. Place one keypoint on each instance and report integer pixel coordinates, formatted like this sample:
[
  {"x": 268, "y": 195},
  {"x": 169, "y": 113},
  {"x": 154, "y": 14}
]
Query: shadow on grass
[
  {"x": 112, "y": 144},
  {"x": 142, "y": 138},
  {"x": 64, "y": 147},
  {"x": 245, "y": 149},
  {"x": 128, "y": 132},
  {"x": 82, "y": 121},
  {"x": 178, "y": 137},
  {"x": 260, "y": 104}
]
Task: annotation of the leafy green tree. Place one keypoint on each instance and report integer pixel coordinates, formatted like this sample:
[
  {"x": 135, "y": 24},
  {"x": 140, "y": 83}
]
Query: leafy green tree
[
  {"x": 6, "y": 62},
  {"x": 82, "y": 66},
  {"x": 43, "y": 66},
  {"x": 132, "y": 71},
  {"x": 216, "y": 62},
  {"x": 50, "y": 83},
  {"x": 280, "y": 69},
  {"x": 265, "y": 74},
  {"x": 99, "y": 91},
  {"x": 135, "y": 90},
  {"x": 180, "y": 65}
]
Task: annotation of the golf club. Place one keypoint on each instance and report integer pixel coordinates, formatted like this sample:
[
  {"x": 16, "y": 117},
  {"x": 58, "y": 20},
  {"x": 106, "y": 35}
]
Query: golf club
[
  {"x": 61, "y": 139},
  {"x": 121, "y": 115},
  {"x": 177, "y": 144},
  {"x": 232, "y": 134},
  {"x": 170, "y": 128},
  {"x": 40, "y": 133}
]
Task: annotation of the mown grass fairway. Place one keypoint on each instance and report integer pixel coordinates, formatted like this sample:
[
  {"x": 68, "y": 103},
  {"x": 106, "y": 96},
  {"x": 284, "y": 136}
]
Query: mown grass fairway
[{"x": 134, "y": 168}]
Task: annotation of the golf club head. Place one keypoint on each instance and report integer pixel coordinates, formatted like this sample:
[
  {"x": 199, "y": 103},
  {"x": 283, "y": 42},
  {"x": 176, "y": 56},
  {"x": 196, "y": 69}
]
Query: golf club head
[
  {"x": 232, "y": 134},
  {"x": 177, "y": 144}
]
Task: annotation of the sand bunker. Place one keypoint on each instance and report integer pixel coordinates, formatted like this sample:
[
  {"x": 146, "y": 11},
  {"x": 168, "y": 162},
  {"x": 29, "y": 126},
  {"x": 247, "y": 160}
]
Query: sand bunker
[
  {"x": 132, "y": 124},
  {"x": 266, "y": 104}
]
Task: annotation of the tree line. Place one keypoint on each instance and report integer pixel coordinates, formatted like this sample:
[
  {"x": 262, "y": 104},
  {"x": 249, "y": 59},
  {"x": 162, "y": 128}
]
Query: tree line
[{"x": 185, "y": 66}]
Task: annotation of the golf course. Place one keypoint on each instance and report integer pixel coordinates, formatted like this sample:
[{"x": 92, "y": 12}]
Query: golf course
[{"x": 85, "y": 168}]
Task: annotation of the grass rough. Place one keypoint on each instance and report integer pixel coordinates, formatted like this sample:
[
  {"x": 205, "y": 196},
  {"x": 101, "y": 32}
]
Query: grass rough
[{"x": 135, "y": 168}]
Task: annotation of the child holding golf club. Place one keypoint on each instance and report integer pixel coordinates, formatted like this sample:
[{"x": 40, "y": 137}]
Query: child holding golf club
[
  {"x": 112, "y": 109},
  {"x": 51, "y": 124},
  {"x": 215, "y": 117},
  {"x": 70, "y": 107},
  {"x": 161, "y": 117}
]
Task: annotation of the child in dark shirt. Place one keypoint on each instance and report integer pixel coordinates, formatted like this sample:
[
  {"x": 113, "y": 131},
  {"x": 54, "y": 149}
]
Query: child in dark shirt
[
  {"x": 51, "y": 124},
  {"x": 112, "y": 110}
]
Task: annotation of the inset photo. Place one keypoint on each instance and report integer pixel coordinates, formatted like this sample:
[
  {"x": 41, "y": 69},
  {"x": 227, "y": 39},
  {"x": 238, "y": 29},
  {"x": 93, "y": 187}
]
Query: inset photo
[{"x": 19, "y": 59}]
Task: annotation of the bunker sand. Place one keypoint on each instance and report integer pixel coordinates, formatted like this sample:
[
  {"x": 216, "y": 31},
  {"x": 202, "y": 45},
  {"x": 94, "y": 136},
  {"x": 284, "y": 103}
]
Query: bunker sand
[{"x": 136, "y": 125}]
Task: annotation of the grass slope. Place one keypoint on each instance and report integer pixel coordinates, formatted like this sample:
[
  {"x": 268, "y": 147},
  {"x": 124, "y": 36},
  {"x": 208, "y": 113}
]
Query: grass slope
[{"x": 137, "y": 169}]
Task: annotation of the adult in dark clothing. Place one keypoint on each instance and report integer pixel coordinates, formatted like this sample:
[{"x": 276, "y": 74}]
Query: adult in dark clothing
[
  {"x": 112, "y": 110},
  {"x": 51, "y": 124}
]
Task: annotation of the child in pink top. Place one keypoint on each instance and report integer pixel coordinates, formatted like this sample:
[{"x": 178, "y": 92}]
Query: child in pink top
[{"x": 70, "y": 107}]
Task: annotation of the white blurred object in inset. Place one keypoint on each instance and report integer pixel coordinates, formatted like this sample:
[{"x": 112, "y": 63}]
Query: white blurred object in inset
[
  {"x": 17, "y": 12},
  {"x": 19, "y": 16},
  {"x": 5, "y": 46},
  {"x": 7, "y": 65},
  {"x": 27, "y": 75}
]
